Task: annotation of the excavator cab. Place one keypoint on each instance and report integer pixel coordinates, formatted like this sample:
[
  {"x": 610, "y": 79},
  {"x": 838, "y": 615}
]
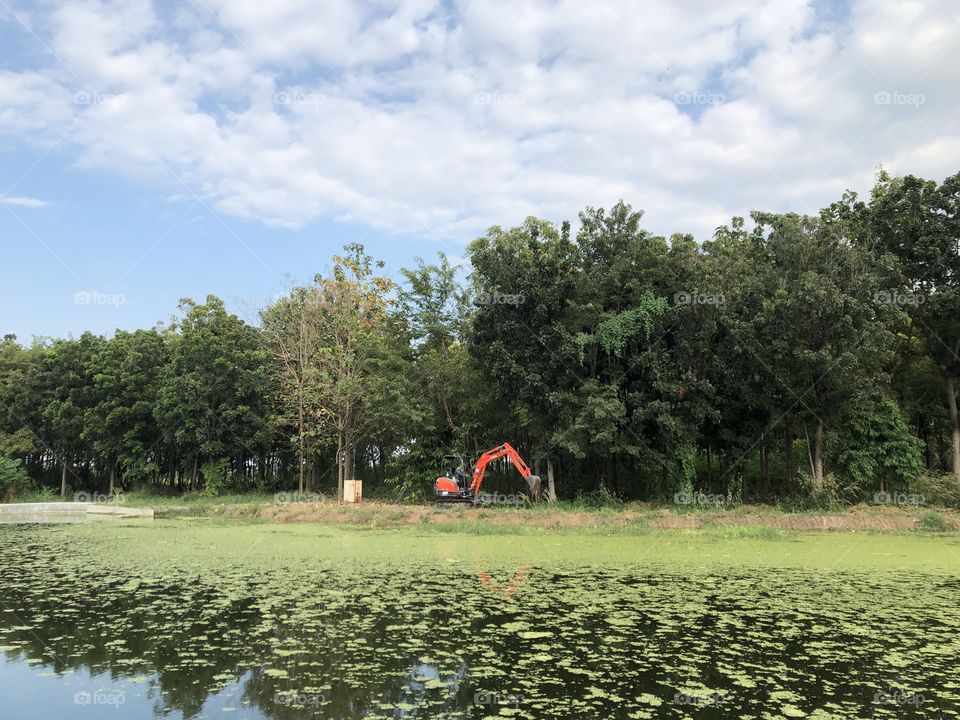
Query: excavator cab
[
  {"x": 453, "y": 485},
  {"x": 455, "y": 468}
]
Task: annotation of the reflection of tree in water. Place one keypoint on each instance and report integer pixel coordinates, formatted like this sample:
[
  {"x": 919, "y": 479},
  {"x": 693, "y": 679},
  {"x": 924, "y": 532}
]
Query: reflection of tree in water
[
  {"x": 424, "y": 677},
  {"x": 239, "y": 634},
  {"x": 397, "y": 695},
  {"x": 192, "y": 639}
]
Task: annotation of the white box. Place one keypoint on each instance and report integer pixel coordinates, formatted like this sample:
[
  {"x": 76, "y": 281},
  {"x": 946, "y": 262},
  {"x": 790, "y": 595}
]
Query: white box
[{"x": 352, "y": 491}]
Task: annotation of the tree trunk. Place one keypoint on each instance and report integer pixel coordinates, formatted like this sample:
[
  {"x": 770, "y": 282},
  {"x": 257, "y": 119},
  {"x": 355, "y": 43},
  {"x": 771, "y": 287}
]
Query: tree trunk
[
  {"x": 300, "y": 456},
  {"x": 791, "y": 455},
  {"x": 113, "y": 472},
  {"x": 955, "y": 422},
  {"x": 193, "y": 477},
  {"x": 340, "y": 478},
  {"x": 551, "y": 488},
  {"x": 816, "y": 457},
  {"x": 764, "y": 460},
  {"x": 63, "y": 479}
]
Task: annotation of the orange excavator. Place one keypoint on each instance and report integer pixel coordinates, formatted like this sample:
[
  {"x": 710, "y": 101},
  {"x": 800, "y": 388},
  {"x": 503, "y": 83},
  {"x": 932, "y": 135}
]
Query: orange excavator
[{"x": 456, "y": 487}]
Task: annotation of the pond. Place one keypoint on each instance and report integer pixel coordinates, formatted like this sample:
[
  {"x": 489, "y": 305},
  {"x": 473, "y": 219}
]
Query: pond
[{"x": 202, "y": 619}]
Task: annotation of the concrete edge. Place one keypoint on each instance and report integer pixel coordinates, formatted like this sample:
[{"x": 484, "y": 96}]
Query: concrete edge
[{"x": 72, "y": 508}]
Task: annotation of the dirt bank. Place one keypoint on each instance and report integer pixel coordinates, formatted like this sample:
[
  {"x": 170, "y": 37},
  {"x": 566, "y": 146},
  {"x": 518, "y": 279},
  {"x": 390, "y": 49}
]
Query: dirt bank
[{"x": 633, "y": 516}]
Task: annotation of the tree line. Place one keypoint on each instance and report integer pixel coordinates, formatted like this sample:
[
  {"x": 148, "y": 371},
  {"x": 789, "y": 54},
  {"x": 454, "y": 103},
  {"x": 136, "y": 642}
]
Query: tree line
[{"x": 787, "y": 357}]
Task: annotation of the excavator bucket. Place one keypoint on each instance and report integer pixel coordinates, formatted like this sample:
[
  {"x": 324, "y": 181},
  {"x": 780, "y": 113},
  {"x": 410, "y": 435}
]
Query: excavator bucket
[{"x": 533, "y": 481}]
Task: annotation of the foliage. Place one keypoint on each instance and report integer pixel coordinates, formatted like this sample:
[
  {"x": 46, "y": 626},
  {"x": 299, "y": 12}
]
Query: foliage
[
  {"x": 215, "y": 477},
  {"x": 934, "y": 522},
  {"x": 812, "y": 359},
  {"x": 937, "y": 489},
  {"x": 13, "y": 478}
]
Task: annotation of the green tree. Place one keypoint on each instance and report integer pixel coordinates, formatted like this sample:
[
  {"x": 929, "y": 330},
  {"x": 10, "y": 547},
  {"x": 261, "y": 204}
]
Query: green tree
[
  {"x": 292, "y": 329},
  {"x": 121, "y": 427},
  {"x": 918, "y": 222},
  {"x": 212, "y": 399},
  {"x": 523, "y": 333},
  {"x": 353, "y": 305},
  {"x": 822, "y": 329},
  {"x": 66, "y": 393},
  {"x": 13, "y": 478}
]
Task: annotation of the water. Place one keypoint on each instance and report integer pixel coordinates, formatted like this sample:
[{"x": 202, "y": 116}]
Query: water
[{"x": 256, "y": 622}]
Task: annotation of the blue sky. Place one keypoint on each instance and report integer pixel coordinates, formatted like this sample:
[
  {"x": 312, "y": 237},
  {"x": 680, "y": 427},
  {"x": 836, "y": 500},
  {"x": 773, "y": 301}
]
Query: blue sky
[
  {"x": 135, "y": 251},
  {"x": 151, "y": 151}
]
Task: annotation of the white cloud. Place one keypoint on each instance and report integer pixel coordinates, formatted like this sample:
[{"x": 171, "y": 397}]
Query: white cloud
[
  {"x": 444, "y": 118},
  {"x": 27, "y": 202}
]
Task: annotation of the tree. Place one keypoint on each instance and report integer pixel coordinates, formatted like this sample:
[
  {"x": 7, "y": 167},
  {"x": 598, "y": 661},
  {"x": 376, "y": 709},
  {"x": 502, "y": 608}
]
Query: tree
[
  {"x": 522, "y": 331},
  {"x": 917, "y": 222},
  {"x": 121, "y": 427},
  {"x": 18, "y": 407},
  {"x": 13, "y": 478},
  {"x": 824, "y": 333},
  {"x": 292, "y": 329},
  {"x": 66, "y": 393},
  {"x": 352, "y": 304},
  {"x": 211, "y": 402},
  {"x": 629, "y": 410}
]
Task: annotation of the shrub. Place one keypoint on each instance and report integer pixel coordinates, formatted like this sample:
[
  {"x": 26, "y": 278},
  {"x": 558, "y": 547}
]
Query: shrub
[
  {"x": 13, "y": 478},
  {"x": 937, "y": 489},
  {"x": 598, "y": 500},
  {"x": 934, "y": 521},
  {"x": 215, "y": 476}
]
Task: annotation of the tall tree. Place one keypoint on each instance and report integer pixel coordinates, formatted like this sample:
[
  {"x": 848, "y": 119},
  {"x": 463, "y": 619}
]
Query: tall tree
[
  {"x": 522, "y": 330},
  {"x": 353, "y": 302},
  {"x": 825, "y": 334},
  {"x": 212, "y": 399},
  {"x": 67, "y": 394},
  {"x": 121, "y": 426}
]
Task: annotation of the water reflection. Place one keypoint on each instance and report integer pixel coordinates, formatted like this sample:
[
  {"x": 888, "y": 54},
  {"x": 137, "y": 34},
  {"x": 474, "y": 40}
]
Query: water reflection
[{"x": 419, "y": 640}]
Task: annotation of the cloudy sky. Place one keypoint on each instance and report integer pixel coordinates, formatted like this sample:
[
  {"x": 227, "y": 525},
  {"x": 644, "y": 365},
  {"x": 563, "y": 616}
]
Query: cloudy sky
[{"x": 150, "y": 151}]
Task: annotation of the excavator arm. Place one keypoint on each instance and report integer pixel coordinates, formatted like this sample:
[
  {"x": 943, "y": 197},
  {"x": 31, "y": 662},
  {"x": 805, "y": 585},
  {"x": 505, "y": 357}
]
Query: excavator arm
[{"x": 505, "y": 450}]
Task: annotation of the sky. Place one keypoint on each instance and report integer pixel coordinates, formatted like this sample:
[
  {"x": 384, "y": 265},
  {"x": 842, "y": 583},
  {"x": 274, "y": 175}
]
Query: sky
[{"x": 151, "y": 151}]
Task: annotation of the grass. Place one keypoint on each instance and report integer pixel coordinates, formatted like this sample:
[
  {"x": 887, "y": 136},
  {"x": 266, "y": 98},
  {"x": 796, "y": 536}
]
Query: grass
[{"x": 563, "y": 517}]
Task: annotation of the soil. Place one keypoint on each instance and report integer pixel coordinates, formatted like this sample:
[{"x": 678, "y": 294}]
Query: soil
[{"x": 377, "y": 514}]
